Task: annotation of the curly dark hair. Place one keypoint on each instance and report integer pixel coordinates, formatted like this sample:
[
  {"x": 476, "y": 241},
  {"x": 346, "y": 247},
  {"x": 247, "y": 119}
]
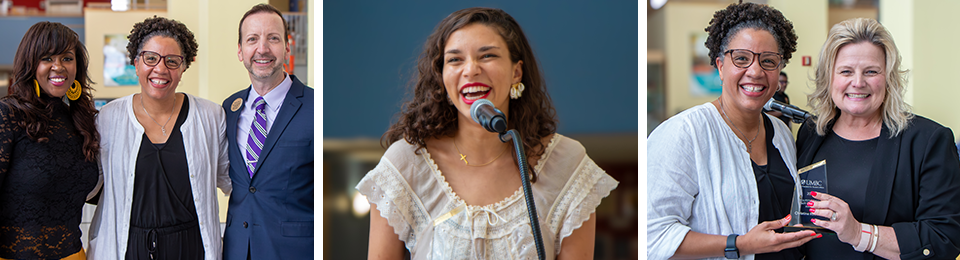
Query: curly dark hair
[
  {"x": 45, "y": 39},
  {"x": 729, "y": 21},
  {"x": 159, "y": 26},
  {"x": 429, "y": 115}
]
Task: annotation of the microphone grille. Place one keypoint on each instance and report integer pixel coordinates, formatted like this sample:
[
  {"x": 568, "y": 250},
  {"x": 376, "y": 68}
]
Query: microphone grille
[
  {"x": 476, "y": 106},
  {"x": 768, "y": 105}
]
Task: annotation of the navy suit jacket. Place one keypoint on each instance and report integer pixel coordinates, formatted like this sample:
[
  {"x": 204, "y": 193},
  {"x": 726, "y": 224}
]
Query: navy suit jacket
[{"x": 271, "y": 214}]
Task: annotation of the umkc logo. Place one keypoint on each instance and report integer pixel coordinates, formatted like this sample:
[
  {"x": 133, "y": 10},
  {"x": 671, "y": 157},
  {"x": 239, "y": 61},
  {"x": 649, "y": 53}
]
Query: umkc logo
[{"x": 811, "y": 183}]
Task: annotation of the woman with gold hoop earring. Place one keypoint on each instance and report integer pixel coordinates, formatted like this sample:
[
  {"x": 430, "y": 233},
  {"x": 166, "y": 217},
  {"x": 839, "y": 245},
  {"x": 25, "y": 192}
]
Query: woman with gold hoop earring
[
  {"x": 466, "y": 178},
  {"x": 49, "y": 147}
]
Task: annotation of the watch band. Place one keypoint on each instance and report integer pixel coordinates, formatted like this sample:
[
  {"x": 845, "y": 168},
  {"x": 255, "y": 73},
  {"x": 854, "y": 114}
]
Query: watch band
[{"x": 731, "y": 251}]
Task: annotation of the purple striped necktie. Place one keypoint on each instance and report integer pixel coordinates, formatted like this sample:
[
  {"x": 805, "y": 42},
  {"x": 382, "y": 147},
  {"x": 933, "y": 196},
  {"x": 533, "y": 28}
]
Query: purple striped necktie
[{"x": 258, "y": 134}]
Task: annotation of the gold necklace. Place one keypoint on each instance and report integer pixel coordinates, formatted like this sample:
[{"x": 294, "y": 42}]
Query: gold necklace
[
  {"x": 464, "y": 157},
  {"x": 749, "y": 142}
]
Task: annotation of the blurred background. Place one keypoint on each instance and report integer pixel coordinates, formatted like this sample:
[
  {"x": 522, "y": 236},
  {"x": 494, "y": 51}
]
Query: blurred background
[
  {"x": 925, "y": 32},
  {"x": 586, "y": 51}
]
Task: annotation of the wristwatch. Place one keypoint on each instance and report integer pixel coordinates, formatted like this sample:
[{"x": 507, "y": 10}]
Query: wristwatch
[{"x": 731, "y": 252}]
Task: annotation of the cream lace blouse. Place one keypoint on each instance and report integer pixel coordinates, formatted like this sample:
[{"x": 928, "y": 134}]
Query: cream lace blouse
[{"x": 434, "y": 223}]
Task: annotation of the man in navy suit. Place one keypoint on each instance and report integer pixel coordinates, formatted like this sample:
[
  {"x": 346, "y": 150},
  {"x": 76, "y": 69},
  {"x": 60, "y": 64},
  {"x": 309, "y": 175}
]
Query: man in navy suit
[{"x": 270, "y": 131}]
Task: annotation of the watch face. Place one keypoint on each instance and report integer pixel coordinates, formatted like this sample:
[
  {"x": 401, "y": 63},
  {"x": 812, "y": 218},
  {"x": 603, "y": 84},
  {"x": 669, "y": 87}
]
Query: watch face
[
  {"x": 731, "y": 251},
  {"x": 731, "y": 254}
]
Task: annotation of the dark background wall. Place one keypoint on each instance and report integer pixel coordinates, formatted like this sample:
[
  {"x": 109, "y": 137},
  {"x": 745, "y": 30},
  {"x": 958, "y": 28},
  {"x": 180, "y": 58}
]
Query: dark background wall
[{"x": 587, "y": 51}]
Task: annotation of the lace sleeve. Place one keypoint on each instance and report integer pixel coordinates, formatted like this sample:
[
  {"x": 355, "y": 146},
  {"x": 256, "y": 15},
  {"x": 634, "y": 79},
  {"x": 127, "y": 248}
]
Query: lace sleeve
[
  {"x": 9, "y": 129},
  {"x": 386, "y": 187},
  {"x": 580, "y": 198}
]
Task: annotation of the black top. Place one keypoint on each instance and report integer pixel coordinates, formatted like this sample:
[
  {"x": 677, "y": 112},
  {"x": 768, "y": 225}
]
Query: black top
[
  {"x": 162, "y": 196},
  {"x": 775, "y": 190},
  {"x": 914, "y": 186},
  {"x": 848, "y": 169},
  {"x": 43, "y": 185},
  {"x": 163, "y": 218}
]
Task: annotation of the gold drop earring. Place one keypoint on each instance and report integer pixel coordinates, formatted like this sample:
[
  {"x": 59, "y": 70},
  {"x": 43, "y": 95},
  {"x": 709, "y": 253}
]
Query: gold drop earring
[{"x": 74, "y": 92}]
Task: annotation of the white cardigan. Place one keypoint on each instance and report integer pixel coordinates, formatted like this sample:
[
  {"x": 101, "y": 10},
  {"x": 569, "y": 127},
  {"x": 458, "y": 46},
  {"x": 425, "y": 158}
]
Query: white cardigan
[
  {"x": 205, "y": 142},
  {"x": 700, "y": 178}
]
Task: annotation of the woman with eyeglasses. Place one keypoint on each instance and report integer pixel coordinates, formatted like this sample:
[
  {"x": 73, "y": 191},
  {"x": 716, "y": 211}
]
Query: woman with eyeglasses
[
  {"x": 163, "y": 155},
  {"x": 720, "y": 176}
]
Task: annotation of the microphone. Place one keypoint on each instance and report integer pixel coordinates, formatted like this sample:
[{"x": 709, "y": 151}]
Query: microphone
[
  {"x": 795, "y": 113},
  {"x": 484, "y": 113}
]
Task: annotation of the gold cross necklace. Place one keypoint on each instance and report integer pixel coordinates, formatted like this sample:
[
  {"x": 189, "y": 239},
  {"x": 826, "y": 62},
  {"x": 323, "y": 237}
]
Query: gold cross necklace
[{"x": 464, "y": 157}]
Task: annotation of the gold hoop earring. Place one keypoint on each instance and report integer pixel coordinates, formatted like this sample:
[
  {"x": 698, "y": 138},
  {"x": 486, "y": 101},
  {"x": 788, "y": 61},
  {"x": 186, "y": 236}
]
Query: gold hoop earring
[
  {"x": 516, "y": 90},
  {"x": 73, "y": 93},
  {"x": 37, "y": 86}
]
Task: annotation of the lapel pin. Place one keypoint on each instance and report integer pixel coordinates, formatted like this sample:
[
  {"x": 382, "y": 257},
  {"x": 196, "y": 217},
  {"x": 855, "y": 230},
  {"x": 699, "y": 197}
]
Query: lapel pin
[{"x": 236, "y": 104}]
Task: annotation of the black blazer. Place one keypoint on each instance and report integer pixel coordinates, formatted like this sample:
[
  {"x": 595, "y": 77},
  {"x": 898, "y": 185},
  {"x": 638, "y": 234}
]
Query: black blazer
[{"x": 914, "y": 186}]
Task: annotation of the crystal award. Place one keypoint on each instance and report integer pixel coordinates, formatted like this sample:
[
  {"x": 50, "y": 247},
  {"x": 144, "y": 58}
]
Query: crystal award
[{"x": 812, "y": 178}]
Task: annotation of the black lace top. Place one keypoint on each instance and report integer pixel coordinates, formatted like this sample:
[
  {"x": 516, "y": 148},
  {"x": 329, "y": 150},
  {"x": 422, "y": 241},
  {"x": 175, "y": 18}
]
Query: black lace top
[{"x": 43, "y": 186}]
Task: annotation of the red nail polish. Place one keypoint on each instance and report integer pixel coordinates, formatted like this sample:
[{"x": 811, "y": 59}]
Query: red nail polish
[
  {"x": 813, "y": 210},
  {"x": 810, "y": 203},
  {"x": 819, "y": 235},
  {"x": 814, "y": 234},
  {"x": 813, "y": 220},
  {"x": 813, "y": 193}
]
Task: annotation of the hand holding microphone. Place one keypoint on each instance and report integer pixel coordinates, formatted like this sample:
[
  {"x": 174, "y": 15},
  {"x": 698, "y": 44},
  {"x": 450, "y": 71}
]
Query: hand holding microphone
[{"x": 795, "y": 113}]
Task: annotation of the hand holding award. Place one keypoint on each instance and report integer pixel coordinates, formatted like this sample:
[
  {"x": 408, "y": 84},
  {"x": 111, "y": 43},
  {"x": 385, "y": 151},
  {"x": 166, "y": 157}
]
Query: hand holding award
[{"x": 813, "y": 180}]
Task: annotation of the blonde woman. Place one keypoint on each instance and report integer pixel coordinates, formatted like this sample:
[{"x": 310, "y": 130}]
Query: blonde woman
[{"x": 894, "y": 177}]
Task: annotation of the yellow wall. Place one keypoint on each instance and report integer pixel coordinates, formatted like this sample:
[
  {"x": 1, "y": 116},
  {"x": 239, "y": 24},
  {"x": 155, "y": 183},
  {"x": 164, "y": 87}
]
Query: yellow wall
[
  {"x": 897, "y": 17},
  {"x": 924, "y": 32},
  {"x": 682, "y": 20}
]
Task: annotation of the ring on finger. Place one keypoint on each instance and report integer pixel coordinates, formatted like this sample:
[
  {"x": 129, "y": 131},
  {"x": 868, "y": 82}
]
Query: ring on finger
[{"x": 834, "y": 217}]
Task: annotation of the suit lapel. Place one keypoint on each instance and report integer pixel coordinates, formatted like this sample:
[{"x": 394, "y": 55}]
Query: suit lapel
[
  {"x": 233, "y": 117},
  {"x": 291, "y": 104},
  {"x": 882, "y": 176}
]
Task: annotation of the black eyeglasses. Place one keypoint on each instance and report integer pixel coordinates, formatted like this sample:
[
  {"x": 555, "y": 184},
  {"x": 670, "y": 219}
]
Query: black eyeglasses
[
  {"x": 744, "y": 58},
  {"x": 152, "y": 58}
]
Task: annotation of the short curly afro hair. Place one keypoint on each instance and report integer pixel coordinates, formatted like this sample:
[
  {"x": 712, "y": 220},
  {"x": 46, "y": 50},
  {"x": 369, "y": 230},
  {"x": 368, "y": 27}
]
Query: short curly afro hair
[
  {"x": 159, "y": 26},
  {"x": 729, "y": 21}
]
